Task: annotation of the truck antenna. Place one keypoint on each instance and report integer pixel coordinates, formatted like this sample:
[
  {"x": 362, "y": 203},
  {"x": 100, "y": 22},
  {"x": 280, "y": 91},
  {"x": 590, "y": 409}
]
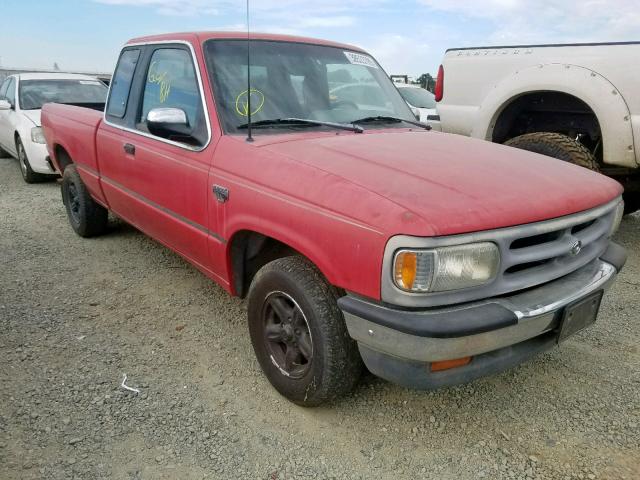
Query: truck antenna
[{"x": 249, "y": 137}]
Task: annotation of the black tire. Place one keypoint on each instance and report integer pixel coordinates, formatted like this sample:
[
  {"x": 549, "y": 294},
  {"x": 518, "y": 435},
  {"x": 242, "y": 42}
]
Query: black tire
[
  {"x": 87, "y": 217},
  {"x": 557, "y": 146},
  {"x": 28, "y": 175},
  {"x": 334, "y": 366}
]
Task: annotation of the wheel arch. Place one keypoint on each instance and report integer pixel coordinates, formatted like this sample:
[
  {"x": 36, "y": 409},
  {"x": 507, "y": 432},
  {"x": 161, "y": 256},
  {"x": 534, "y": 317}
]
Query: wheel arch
[
  {"x": 588, "y": 87},
  {"x": 61, "y": 157},
  {"x": 249, "y": 249}
]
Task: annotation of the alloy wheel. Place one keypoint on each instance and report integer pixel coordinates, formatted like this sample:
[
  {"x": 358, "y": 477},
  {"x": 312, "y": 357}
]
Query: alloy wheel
[{"x": 287, "y": 335}]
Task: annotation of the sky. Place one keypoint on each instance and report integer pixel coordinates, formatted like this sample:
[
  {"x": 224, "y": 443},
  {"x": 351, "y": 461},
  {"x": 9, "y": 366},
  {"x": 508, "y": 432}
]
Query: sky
[{"x": 406, "y": 36}]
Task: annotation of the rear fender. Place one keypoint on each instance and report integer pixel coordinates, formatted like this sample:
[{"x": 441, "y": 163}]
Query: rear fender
[{"x": 592, "y": 88}]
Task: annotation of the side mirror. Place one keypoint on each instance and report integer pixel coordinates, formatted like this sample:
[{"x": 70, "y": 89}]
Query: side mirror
[
  {"x": 4, "y": 105},
  {"x": 168, "y": 122}
]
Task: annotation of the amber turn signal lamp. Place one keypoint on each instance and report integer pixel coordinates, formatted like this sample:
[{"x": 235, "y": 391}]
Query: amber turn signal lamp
[
  {"x": 407, "y": 263},
  {"x": 447, "y": 364}
]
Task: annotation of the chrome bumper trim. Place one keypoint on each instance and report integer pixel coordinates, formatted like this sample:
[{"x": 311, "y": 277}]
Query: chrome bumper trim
[{"x": 536, "y": 311}]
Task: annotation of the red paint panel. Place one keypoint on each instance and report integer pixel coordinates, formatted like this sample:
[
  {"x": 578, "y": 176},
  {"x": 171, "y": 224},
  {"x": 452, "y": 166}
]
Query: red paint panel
[
  {"x": 273, "y": 195},
  {"x": 174, "y": 187},
  {"x": 75, "y": 131}
]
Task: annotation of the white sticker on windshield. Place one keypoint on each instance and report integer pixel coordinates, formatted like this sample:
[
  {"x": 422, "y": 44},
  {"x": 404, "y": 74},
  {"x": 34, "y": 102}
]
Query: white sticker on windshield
[
  {"x": 89, "y": 82},
  {"x": 360, "y": 59}
]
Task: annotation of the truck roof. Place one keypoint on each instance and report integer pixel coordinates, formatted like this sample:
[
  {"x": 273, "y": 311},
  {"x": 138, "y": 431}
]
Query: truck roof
[
  {"x": 594, "y": 44},
  {"x": 202, "y": 36}
]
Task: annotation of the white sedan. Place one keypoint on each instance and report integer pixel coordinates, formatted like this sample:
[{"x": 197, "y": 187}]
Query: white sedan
[
  {"x": 422, "y": 103},
  {"x": 21, "y": 98}
]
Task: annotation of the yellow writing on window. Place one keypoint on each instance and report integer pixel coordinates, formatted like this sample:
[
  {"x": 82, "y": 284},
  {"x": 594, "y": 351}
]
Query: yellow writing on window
[
  {"x": 242, "y": 102},
  {"x": 162, "y": 79}
]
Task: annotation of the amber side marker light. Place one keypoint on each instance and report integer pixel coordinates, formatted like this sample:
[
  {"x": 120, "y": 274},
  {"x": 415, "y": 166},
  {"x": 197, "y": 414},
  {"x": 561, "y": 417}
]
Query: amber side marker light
[{"x": 447, "y": 364}]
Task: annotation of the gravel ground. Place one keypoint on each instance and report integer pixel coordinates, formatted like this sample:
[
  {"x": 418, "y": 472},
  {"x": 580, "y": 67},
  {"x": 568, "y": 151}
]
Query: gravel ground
[{"x": 76, "y": 314}]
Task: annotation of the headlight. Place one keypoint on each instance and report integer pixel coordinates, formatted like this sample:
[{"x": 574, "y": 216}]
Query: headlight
[
  {"x": 37, "y": 136},
  {"x": 446, "y": 268}
]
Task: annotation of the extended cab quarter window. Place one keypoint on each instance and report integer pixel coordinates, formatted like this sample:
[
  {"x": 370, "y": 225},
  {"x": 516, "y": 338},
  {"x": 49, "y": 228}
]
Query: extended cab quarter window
[
  {"x": 121, "y": 83},
  {"x": 171, "y": 82}
]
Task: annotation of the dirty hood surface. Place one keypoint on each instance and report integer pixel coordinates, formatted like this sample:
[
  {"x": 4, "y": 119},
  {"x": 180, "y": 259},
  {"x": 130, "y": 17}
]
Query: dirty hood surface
[{"x": 454, "y": 183}]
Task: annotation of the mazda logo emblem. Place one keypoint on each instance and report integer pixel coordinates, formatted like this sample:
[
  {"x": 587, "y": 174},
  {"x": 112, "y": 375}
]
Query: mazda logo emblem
[{"x": 576, "y": 247}]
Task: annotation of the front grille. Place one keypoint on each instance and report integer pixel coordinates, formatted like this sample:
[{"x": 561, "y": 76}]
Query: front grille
[
  {"x": 530, "y": 255},
  {"x": 538, "y": 253}
]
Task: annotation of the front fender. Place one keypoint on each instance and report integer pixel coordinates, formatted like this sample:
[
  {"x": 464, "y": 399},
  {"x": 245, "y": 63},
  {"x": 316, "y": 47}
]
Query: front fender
[
  {"x": 347, "y": 254},
  {"x": 592, "y": 88}
]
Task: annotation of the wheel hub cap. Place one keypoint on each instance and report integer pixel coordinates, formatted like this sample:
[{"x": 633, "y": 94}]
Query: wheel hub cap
[{"x": 287, "y": 335}]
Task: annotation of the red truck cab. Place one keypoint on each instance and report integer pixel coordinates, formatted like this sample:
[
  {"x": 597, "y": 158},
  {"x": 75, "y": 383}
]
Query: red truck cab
[{"x": 357, "y": 234}]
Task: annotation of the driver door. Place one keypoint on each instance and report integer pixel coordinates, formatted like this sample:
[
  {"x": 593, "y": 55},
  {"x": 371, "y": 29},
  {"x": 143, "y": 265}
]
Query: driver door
[{"x": 170, "y": 176}]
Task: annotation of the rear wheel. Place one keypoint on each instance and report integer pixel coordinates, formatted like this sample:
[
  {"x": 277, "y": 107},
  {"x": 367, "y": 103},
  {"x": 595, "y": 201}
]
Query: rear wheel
[
  {"x": 557, "y": 146},
  {"x": 299, "y": 335},
  {"x": 28, "y": 174},
  {"x": 87, "y": 217}
]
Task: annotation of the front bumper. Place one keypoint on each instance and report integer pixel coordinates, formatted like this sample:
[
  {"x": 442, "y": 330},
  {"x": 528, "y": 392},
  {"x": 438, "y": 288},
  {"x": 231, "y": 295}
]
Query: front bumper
[
  {"x": 38, "y": 157},
  {"x": 399, "y": 345}
]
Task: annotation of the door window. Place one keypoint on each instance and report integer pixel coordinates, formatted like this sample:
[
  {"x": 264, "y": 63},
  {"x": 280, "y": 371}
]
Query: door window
[
  {"x": 171, "y": 82},
  {"x": 121, "y": 83}
]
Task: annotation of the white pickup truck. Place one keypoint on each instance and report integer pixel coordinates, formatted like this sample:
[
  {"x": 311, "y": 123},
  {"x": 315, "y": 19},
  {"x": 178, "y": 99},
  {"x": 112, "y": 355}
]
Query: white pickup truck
[{"x": 576, "y": 102}]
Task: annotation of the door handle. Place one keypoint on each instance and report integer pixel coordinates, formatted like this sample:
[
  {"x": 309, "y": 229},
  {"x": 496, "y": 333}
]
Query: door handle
[{"x": 129, "y": 148}]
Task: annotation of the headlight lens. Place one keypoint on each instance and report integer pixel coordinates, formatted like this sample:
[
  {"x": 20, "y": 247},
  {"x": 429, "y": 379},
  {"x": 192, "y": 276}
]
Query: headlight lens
[
  {"x": 446, "y": 268},
  {"x": 617, "y": 219},
  {"x": 37, "y": 136}
]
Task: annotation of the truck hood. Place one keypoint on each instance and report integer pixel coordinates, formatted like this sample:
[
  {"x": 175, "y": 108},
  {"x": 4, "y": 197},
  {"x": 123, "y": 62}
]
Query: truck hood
[
  {"x": 33, "y": 115},
  {"x": 454, "y": 184}
]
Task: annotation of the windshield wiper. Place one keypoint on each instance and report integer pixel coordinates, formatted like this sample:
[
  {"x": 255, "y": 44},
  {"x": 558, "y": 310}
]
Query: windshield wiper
[
  {"x": 274, "y": 122},
  {"x": 387, "y": 119}
]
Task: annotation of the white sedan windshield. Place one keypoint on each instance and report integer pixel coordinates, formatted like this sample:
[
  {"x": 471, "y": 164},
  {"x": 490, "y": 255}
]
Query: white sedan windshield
[
  {"x": 35, "y": 93},
  {"x": 418, "y": 97}
]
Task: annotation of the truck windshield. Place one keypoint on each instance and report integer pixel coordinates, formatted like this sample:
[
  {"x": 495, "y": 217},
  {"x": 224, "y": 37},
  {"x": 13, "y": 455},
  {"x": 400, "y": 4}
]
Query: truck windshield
[
  {"x": 301, "y": 81},
  {"x": 35, "y": 93}
]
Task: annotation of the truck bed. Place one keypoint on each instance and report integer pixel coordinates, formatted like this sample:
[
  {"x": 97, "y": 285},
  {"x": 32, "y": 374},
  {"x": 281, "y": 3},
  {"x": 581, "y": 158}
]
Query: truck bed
[
  {"x": 480, "y": 82},
  {"x": 75, "y": 127}
]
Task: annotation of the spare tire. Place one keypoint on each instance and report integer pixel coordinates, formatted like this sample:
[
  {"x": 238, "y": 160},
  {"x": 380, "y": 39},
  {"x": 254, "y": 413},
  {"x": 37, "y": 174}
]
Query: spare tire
[{"x": 557, "y": 146}]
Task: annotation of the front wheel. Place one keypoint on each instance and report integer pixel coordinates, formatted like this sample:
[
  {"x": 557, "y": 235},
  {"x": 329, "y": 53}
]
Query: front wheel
[
  {"x": 87, "y": 217},
  {"x": 299, "y": 335},
  {"x": 28, "y": 175}
]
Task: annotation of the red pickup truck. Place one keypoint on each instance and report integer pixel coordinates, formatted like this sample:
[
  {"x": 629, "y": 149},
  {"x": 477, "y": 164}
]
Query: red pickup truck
[{"x": 356, "y": 234}]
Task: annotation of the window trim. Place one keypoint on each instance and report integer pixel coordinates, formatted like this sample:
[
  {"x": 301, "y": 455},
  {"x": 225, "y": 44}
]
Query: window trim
[{"x": 203, "y": 99}]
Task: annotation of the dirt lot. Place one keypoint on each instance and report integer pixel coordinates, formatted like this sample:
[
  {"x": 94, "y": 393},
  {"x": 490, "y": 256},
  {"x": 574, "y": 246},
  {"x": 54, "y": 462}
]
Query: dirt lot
[{"x": 76, "y": 314}]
